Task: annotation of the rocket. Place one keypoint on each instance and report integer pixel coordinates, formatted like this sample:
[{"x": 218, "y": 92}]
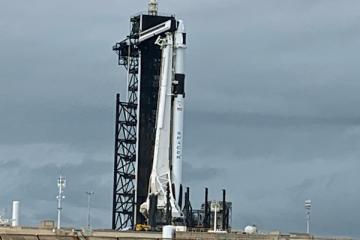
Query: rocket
[{"x": 178, "y": 108}]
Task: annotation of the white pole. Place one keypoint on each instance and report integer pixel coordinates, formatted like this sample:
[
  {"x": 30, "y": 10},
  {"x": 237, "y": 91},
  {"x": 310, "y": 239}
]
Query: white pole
[
  {"x": 89, "y": 209},
  {"x": 308, "y": 211},
  {"x": 15, "y": 214},
  {"x": 60, "y": 196},
  {"x": 308, "y": 224},
  {"x": 59, "y": 213},
  {"x": 215, "y": 218}
]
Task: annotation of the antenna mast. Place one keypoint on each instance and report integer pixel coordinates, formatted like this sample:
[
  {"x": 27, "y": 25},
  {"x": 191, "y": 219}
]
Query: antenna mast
[
  {"x": 308, "y": 211},
  {"x": 61, "y": 185},
  {"x": 89, "y": 209}
]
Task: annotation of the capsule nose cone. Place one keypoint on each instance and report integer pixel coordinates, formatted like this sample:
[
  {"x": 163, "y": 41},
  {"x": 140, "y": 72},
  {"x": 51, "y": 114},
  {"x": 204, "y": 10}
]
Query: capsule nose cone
[{"x": 181, "y": 26}]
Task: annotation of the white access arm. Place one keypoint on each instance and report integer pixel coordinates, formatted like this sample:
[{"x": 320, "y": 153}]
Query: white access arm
[{"x": 152, "y": 32}]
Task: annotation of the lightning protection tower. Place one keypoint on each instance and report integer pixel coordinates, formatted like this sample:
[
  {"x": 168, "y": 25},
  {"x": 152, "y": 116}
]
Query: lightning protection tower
[
  {"x": 61, "y": 183},
  {"x": 307, "y": 212}
]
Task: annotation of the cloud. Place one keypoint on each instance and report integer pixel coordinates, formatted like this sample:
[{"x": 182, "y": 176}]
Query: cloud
[
  {"x": 202, "y": 173},
  {"x": 271, "y": 107},
  {"x": 32, "y": 180}
]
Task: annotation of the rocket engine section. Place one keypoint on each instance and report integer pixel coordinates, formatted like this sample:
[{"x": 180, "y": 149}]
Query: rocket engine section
[{"x": 166, "y": 175}]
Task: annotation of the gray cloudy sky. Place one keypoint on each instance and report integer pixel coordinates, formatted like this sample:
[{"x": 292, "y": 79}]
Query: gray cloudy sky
[{"x": 272, "y": 107}]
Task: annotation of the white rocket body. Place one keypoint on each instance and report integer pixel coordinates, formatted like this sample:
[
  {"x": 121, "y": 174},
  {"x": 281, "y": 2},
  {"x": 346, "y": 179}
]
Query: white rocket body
[
  {"x": 178, "y": 108},
  {"x": 168, "y": 148}
]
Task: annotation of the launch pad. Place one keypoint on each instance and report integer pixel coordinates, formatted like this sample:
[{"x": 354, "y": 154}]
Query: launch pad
[
  {"x": 23, "y": 233},
  {"x": 149, "y": 131}
]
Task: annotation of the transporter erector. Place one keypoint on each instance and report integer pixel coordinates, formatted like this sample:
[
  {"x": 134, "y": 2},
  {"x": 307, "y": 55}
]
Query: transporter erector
[{"x": 166, "y": 175}]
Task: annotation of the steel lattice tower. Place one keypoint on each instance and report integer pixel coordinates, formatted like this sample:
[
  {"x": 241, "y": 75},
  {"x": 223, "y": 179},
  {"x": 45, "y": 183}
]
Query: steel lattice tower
[{"x": 125, "y": 135}]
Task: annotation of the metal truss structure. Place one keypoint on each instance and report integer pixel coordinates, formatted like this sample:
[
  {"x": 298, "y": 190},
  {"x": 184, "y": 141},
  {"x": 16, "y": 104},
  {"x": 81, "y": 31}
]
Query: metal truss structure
[{"x": 124, "y": 192}]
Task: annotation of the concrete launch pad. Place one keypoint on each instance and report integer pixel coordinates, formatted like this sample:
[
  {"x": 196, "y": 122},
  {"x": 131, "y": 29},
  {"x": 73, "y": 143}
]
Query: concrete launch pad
[{"x": 24, "y": 233}]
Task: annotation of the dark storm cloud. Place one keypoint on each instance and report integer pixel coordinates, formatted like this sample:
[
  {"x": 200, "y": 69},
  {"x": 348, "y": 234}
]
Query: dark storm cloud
[
  {"x": 235, "y": 119},
  {"x": 76, "y": 124},
  {"x": 202, "y": 173},
  {"x": 243, "y": 136},
  {"x": 37, "y": 186},
  {"x": 272, "y": 107}
]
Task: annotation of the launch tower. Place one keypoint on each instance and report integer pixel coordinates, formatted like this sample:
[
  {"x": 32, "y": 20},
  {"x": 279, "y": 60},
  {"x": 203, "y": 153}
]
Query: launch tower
[{"x": 148, "y": 129}]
